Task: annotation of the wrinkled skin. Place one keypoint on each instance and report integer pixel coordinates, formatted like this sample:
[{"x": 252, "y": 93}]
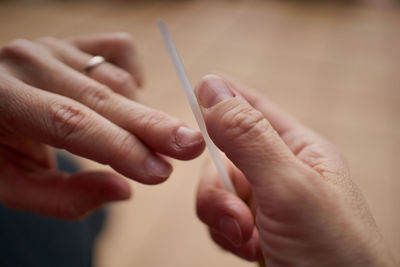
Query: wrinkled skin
[
  {"x": 47, "y": 100},
  {"x": 308, "y": 210}
]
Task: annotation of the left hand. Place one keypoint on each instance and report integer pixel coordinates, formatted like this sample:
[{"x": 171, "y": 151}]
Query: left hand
[{"x": 47, "y": 99}]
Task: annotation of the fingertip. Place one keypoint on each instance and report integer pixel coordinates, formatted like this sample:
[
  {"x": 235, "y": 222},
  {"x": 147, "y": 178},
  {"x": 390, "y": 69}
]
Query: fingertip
[
  {"x": 157, "y": 167},
  {"x": 104, "y": 186},
  {"x": 186, "y": 137},
  {"x": 84, "y": 192},
  {"x": 239, "y": 229},
  {"x": 151, "y": 169},
  {"x": 120, "y": 188},
  {"x": 163, "y": 133},
  {"x": 209, "y": 77},
  {"x": 152, "y": 180},
  {"x": 211, "y": 90},
  {"x": 189, "y": 143},
  {"x": 225, "y": 213}
]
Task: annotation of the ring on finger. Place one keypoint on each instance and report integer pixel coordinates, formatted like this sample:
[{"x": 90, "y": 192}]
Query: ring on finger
[{"x": 93, "y": 62}]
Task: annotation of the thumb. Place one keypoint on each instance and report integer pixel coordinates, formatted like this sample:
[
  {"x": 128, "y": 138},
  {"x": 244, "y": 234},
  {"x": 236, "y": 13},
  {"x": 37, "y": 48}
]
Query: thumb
[{"x": 245, "y": 135}]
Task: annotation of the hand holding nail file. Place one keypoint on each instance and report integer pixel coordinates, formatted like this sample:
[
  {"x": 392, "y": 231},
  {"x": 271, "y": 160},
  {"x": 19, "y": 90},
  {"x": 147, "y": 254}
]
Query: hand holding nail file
[{"x": 187, "y": 87}]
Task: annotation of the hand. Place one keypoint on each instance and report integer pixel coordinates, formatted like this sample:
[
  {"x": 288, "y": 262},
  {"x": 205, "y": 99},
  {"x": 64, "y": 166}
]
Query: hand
[
  {"x": 47, "y": 99},
  {"x": 309, "y": 212}
]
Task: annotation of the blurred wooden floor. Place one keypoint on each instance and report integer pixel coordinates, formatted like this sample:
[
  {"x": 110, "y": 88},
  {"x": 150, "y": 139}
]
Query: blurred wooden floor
[{"x": 335, "y": 67}]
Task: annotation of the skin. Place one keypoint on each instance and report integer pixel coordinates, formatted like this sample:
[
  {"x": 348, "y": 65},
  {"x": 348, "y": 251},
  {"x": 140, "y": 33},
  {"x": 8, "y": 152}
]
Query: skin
[
  {"x": 296, "y": 203},
  {"x": 47, "y": 100},
  {"x": 307, "y": 209}
]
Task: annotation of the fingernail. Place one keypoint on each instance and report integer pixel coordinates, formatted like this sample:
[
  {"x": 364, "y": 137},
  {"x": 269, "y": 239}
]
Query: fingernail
[
  {"x": 212, "y": 91},
  {"x": 158, "y": 168},
  {"x": 229, "y": 227},
  {"x": 186, "y": 137}
]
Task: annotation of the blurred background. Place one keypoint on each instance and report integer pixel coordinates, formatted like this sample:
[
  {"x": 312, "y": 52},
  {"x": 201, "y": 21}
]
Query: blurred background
[{"x": 334, "y": 65}]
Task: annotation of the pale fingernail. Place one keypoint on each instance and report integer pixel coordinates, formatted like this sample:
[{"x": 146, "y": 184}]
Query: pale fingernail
[
  {"x": 212, "y": 91},
  {"x": 186, "y": 137},
  {"x": 230, "y": 228},
  {"x": 158, "y": 168}
]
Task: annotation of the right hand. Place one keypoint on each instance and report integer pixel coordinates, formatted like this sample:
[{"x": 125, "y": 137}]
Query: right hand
[
  {"x": 47, "y": 99},
  {"x": 309, "y": 212}
]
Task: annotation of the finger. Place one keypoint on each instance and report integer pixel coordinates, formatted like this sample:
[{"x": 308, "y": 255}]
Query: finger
[
  {"x": 251, "y": 250},
  {"x": 251, "y": 143},
  {"x": 301, "y": 140},
  {"x": 225, "y": 212},
  {"x": 38, "y": 152},
  {"x": 210, "y": 178},
  {"x": 308, "y": 146},
  {"x": 117, "y": 48},
  {"x": 64, "y": 123},
  {"x": 280, "y": 120},
  {"x": 242, "y": 132},
  {"x": 56, "y": 194},
  {"x": 118, "y": 79},
  {"x": 161, "y": 132}
]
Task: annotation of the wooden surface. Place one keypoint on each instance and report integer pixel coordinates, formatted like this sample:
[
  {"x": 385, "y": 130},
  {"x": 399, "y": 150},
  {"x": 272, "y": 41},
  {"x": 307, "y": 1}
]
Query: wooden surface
[{"x": 335, "y": 67}]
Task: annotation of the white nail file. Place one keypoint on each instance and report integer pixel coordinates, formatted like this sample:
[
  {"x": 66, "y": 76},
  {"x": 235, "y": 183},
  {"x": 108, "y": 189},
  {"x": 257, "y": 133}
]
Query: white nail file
[{"x": 187, "y": 88}]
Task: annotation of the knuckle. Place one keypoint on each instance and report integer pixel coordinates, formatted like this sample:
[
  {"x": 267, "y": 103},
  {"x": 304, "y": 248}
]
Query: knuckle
[
  {"x": 244, "y": 122},
  {"x": 123, "y": 81},
  {"x": 95, "y": 95},
  {"x": 151, "y": 120},
  {"x": 125, "y": 145},
  {"x": 66, "y": 121}
]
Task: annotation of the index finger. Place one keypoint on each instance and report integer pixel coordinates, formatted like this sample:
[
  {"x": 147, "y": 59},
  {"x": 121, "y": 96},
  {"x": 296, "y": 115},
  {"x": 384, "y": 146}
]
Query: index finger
[{"x": 65, "y": 123}]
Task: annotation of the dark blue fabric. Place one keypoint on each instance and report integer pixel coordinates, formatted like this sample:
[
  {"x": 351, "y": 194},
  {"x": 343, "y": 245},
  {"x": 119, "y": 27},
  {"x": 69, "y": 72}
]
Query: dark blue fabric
[{"x": 31, "y": 240}]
